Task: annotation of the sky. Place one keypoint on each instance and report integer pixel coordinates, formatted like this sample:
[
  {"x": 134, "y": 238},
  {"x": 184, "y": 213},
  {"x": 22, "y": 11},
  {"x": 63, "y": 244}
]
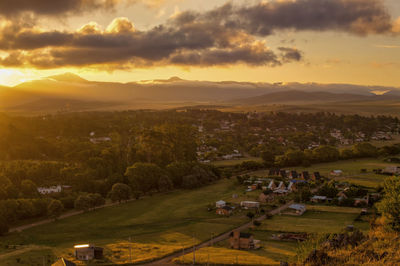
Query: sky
[{"x": 323, "y": 41}]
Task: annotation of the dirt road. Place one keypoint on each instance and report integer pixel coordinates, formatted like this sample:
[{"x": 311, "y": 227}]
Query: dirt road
[{"x": 167, "y": 260}]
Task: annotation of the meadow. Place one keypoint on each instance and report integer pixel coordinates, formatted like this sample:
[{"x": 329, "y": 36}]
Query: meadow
[
  {"x": 318, "y": 219},
  {"x": 351, "y": 171},
  {"x": 156, "y": 225}
]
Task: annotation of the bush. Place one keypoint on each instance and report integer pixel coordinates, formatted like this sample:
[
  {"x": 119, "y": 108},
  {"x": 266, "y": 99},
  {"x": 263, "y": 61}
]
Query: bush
[{"x": 256, "y": 223}]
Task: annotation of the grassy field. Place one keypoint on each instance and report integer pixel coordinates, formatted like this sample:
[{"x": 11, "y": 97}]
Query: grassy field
[
  {"x": 157, "y": 226},
  {"x": 222, "y": 255},
  {"x": 351, "y": 171},
  {"x": 235, "y": 162},
  {"x": 347, "y": 108},
  {"x": 317, "y": 219}
]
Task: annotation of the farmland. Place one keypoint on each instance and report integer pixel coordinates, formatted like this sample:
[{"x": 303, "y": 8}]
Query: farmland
[
  {"x": 157, "y": 226},
  {"x": 351, "y": 171},
  {"x": 317, "y": 220}
]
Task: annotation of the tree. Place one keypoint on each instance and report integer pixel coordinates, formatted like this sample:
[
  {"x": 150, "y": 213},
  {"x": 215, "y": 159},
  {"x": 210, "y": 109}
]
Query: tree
[
  {"x": 144, "y": 176},
  {"x": 96, "y": 200},
  {"x": 3, "y": 226},
  {"x": 55, "y": 209},
  {"x": 365, "y": 150},
  {"x": 82, "y": 203},
  {"x": 28, "y": 188},
  {"x": 120, "y": 192},
  {"x": 250, "y": 215},
  {"x": 389, "y": 206},
  {"x": 268, "y": 158}
]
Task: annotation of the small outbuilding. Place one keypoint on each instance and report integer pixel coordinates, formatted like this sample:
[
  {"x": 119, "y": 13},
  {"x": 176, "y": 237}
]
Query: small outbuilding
[
  {"x": 226, "y": 211},
  {"x": 250, "y": 204},
  {"x": 88, "y": 252},
  {"x": 239, "y": 240},
  {"x": 220, "y": 204},
  {"x": 298, "y": 209}
]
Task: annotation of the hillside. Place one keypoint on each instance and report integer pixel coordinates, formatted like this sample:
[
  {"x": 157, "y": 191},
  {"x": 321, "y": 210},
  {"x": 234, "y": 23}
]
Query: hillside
[
  {"x": 295, "y": 96},
  {"x": 59, "y": 89}
]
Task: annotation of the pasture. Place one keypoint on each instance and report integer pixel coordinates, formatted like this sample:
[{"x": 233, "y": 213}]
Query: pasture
[
  {"x": 351, "y": 171},
  {"x": 317, "y": 219},
  {"x": 156, "y": 225}
]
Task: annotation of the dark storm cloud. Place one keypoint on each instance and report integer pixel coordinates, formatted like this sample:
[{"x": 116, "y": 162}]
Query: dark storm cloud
[
  {"x": 353, "y": 16},
  {"x": 223, "y": 36},
  {"x": 53, "y": 7}
]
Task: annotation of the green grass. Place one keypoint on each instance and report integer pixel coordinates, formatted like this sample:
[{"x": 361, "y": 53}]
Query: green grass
[
  {"x": 164, "y": 219},
  {"x": 226, "y": 163},
  {"x": 351, "y": 171},
  {"x": 314, "y": 221}
]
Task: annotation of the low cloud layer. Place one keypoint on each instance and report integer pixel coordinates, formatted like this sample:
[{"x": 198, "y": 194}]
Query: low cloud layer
[{"x": 226, "y": 35}]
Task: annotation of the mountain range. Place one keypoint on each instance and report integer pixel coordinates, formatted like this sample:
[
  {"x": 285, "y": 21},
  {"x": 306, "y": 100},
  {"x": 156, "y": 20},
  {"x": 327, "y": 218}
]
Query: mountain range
[{"x": 72, "y": 91}]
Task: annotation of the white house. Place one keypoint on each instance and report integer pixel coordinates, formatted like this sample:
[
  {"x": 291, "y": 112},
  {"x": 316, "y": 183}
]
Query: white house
[
  {"x": 49, "y": 190},
  {"x": 220, "y": 204}
]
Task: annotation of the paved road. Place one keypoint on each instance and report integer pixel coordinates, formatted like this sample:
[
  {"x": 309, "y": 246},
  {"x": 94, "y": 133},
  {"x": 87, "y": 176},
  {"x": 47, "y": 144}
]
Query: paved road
[{"x": 167, "y": 260}]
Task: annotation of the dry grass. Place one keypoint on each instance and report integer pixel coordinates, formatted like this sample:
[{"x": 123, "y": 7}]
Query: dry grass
[{"x": 218, "y": 255}]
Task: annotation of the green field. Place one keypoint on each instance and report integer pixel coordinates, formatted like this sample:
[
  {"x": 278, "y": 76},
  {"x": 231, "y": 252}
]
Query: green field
[
  {"x": 235, "y": 162},
  {"x": 157, "y": 226},
  {"x": 315, "y": 220},
  {"x": 351, "y": 171}
]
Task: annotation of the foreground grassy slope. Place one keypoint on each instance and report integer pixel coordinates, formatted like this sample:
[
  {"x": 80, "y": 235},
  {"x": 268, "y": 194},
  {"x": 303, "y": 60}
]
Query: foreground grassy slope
[{"x": 166, "y": 222}]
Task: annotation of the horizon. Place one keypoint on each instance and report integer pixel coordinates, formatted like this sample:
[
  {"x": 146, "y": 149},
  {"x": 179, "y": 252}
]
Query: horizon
[
  {"x": 347, "y": 42},
  {"x": 174, "y": 79}
]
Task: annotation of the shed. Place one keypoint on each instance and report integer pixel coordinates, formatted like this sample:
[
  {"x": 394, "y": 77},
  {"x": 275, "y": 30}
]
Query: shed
[
  {"x": 220, "y": 204},
  {"x": 88, "y": 252},
  {"x": 298, "y": 208}
]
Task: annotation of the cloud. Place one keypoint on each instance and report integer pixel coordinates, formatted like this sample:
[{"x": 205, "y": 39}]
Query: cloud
[
  {"x": 354, "y": 16},
  {"x": 224, "y": 36},
  {"x": 65, "y": 7}
]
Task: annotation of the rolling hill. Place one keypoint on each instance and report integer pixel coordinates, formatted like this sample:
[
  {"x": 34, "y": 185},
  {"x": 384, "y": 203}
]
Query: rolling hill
[
  {"x": 57, "y": 92},
  {"x": 299, "y": 97}
]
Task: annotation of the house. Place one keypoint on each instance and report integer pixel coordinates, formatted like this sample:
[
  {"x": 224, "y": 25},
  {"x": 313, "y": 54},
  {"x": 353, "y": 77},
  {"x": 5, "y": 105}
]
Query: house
[
  {"x": 240, "y": 240},
  {"x": 341, "y": 195},
  {"x": 271, "y": 185},
  {"x": 99, "y": 140},
  {"x": 265, "y": 197},
  {"x": 226, "y": 211},
  {"x": 281, "y": 186},
  {"x": 305, "y": 175},
  {"x": 298, "y": 209},
  {"x": 280, "y": 192},
  {"x": 49, "y": 190},
  {"x": 336, "y": 172},
  {"x": 292, "y": 187},
  {"x": 88, "y": 252},
  {"x": 316, "y": 176},
  {"x": 274, "y": 172},
  {"x": 254, "y": 186},
  {"x": 283, "y": 174},
  {"x": 63, "y": 262},
  {"x": 220, "y": 204},
  {"x": 249, "y": 204},
  {"x": 361, "y": 201},
  {"x": 293, "y": 175},
  {"x": 391, "y": 170},
  {"x": 317, "y": 199}
]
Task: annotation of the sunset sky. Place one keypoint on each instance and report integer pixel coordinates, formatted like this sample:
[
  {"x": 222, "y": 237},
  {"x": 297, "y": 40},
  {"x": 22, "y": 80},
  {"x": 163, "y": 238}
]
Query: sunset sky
[{"x": 325, "y": 41}]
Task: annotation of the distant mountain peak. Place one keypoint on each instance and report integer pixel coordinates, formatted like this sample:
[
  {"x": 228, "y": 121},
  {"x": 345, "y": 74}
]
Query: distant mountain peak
[
  {"x": 67, "y": 77},
  {"x": 174, "y": 79}
]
